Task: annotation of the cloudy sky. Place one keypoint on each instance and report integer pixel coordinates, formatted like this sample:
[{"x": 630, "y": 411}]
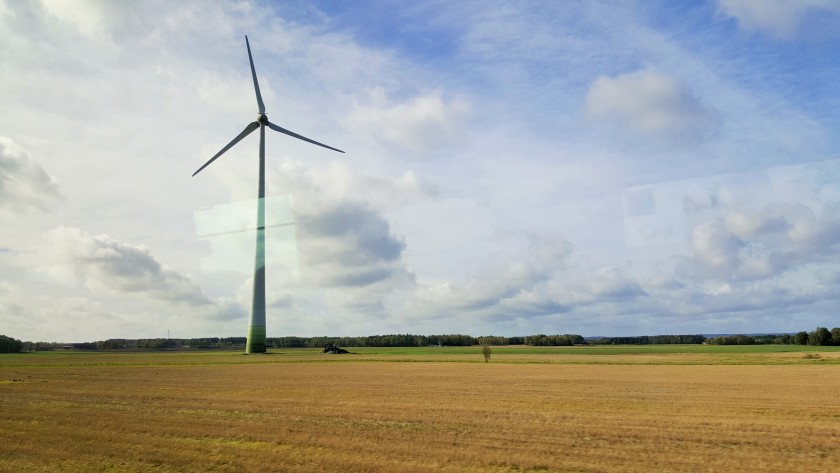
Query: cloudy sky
[{"x": 602, "y": 168}]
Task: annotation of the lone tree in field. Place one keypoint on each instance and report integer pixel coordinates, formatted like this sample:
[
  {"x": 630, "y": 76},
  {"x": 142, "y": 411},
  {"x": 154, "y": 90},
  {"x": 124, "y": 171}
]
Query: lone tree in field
[{"x": 485, "y": 350}]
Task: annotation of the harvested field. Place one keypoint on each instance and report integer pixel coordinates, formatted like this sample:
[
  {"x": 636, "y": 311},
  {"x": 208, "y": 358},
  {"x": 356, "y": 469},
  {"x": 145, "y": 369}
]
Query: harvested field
[{"x": 445, "y": 411}]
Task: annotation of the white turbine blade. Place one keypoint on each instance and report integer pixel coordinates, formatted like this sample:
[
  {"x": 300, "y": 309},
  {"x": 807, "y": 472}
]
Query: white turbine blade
[
  {"x": 248, "y": 129},
  {"x": 300, "y": 137},
  {"x": 254, "y": 75}
]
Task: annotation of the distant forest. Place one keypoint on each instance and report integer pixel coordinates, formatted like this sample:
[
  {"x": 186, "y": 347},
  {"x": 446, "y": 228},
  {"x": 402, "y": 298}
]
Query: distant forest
[{"x": 819, "y": 337}]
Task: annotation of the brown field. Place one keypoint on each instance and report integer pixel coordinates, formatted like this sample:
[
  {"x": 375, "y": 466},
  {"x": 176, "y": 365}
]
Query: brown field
[{"x": 301, "y": 411}]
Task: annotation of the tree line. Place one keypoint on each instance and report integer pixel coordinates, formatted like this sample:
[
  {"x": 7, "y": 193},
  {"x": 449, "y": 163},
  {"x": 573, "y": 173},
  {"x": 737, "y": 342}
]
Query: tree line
[
  {"x": 821, "y": 336},
  {"x": 652, "y": 340},
  {"x": 392, "y": 340}
]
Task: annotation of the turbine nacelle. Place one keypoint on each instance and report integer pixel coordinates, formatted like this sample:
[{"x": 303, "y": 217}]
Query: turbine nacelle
[{"x": 262, "y": 120}]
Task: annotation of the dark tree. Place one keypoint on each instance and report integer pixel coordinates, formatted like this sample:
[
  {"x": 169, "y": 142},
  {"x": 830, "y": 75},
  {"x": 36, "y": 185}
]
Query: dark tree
[
  {"x": 820, "y": 337},
  {"x": 10, "y": 345}
]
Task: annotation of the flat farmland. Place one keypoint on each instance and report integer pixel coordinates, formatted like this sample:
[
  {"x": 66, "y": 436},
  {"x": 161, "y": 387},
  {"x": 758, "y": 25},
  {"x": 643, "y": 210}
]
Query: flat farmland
[{"x": 577, "y": 409}]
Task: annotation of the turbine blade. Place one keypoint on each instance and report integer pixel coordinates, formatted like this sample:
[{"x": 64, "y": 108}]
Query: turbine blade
[
  {"x": 254, "y": 75},
  {"x": 248, "y": 129},
  {"x": 300, "y": 137}
]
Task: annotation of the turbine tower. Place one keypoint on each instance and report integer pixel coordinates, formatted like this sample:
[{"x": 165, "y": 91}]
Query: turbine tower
[{"x": 256, "y": 322}]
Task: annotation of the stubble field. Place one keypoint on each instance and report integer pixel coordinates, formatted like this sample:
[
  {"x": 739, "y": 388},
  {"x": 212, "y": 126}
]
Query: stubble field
[{"x": 589, "y": 409}]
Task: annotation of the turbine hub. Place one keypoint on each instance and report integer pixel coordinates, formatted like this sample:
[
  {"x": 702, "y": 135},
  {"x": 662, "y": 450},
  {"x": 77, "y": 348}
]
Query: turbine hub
[{"x": 262, "y": 119}]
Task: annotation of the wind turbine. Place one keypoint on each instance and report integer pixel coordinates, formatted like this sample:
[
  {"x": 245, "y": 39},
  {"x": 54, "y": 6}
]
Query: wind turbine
[{"x": 256, "y": 322}]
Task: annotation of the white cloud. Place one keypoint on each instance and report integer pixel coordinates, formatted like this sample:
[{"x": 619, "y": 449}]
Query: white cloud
[
  {"x": 507, "y": 289},
  {"x": 341, "y": 181},
  {"x": 743, "y": 247},
  {"x": 714, "y": 246},
  {"x": 10, "y": 300},
  {"x": 79, "y": 286},
  {"x": 747, "y": 225},
  {"x": 347, "y": 244},
  {"x": 545, "y": 294},
  {"x": 5, "y": 11},
  {"x": 780, "y": 18},
  {"x": 108, "y": 267},
  {"x": 766, "y": 243},
  {"x": 85, "y": 15},
  {"x": 649, "y": 102},
  {"x": 423, "y": 124},
  {"x": 611, "y": 284},
  {"x": 105, "y": 21},
  {"x": 739, "y": 302},
  {"x": 24, "y": 184}
]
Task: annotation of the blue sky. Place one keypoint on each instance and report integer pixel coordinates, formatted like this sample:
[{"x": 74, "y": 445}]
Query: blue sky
[{"x": 603, "y": 168}]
